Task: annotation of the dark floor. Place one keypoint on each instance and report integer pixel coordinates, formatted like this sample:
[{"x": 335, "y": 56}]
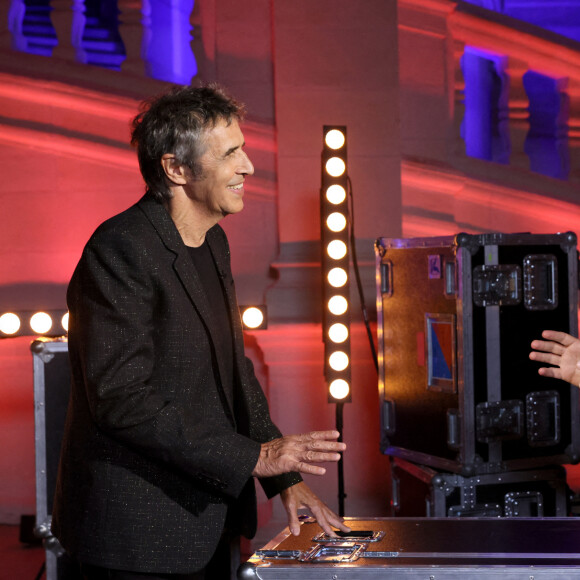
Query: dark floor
[{"x": 18, "y": 561}]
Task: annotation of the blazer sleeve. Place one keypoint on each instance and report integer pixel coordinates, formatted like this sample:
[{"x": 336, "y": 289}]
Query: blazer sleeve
[
  {"x": 113, "y": 340},
  {"x": 263, "y": 429}
]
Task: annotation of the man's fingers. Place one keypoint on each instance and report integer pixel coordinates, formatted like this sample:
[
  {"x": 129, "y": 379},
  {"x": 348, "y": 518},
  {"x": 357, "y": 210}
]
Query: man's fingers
[
  {"x": 325, "y": 445},
  {"x": 545, "y": 357},
  {"x": 543, "y": 346},
  {"x": 551, "y": 372},
  {"x": 333, "y": 434},
  {"x": 328, "y": 520},
  {"x": 341, "y": 526},
  {"x": 320, "y": 457},
  {"x": 559, "y": 337},
  {"x": 320, "y": 440},
  {"x": 303, "y": 467},
  {"x": 293, "y": 523}
]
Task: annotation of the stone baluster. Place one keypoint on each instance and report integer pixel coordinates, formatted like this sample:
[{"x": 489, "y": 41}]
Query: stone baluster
[
  {"x": 11, "y": 14},
  {"x": 134, "y": 28},
  {"x": 204, "y": 39},
  {"x": 68, "y": 19}
]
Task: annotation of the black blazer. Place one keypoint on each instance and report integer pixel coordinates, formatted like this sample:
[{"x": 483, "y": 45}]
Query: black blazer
[{"x": 155, "y": 450}]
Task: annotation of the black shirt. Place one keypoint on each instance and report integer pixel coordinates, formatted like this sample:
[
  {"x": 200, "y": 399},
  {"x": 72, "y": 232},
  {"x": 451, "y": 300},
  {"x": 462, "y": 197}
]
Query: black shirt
[{"x": 212, "y": 284}]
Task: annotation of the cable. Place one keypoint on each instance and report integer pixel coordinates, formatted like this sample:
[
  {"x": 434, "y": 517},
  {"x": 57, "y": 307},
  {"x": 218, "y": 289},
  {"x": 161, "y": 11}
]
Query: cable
[{"x": 358, "y": 279}]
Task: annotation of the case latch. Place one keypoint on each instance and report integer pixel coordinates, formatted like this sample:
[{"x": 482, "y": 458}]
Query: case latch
[
  {"x": 497, "y": 285},
  {"x": 336, "y": 553},
  {"x": 543, "y": 418},
  {"x": 499, "y": 421},
  {"x": 524, "y": 504},
  {"x": 540, "y": 282}
]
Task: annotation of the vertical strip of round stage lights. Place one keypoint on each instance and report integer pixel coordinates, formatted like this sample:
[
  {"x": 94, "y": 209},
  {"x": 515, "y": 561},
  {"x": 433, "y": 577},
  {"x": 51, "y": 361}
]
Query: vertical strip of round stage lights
[{"x": 334, "y": 228}]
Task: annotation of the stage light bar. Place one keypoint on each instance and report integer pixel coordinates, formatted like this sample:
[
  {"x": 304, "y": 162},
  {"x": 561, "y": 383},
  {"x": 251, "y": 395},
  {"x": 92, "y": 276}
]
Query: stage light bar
[
  {"x": 254, "y": 317},
  {"x": 335, "y": 259},
  {"x": 33, "y": 323}
]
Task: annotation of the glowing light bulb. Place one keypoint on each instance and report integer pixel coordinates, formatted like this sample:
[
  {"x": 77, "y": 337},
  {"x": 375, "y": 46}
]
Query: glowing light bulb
[
  {"x": 41, "y": 322},
  {"x": 336, "y": 249},
  {"x": 339, "y": 389},
  {"x": 335, "y": 166},
  {"x": 335, "y": 194},
  {"x": 336, "y": 222},
  {"x": 338, "y": 305},
  {"x": 9, "y": 323},
  {"x": 337, "y": 277},
  {"x": 335, "y": 139},
  {"x": 64, "y": 322},
  {"x": 253, "y": 317},
  {"x": 338, "y": 332},
  {"x": 338, "y": 361}
]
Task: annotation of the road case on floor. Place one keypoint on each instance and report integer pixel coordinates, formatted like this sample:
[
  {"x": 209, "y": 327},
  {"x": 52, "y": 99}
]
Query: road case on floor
[
  {"x": 424, "y": 549},
  {"x": 51, "y": 392},
  {"x": 420, "y": 491},
  {"x": 456, "y": 316}
]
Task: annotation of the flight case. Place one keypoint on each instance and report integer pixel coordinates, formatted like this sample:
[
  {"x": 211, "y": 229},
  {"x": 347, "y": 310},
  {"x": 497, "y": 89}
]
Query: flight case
[
  {"x": 424, "y": 549},
  {"x": 456, "y": 316},
  {"x": 420, "y": 491},
  {"x": 51, "y": 393}
]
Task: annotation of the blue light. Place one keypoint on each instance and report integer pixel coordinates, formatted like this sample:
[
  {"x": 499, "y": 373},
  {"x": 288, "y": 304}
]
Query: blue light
[
  {"x": 169, "y": 54},
  {"x": 547, "y": 140},
  {"x": 485, "y": 123},
  {"x": 560, "y": 17}
]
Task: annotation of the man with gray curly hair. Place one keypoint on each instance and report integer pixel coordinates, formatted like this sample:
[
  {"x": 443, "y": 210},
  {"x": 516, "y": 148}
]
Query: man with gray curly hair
[{"x": 167, "y": 425}]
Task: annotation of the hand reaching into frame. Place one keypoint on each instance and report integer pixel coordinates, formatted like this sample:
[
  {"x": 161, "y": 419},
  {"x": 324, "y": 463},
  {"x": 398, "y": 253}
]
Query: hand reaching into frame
[{"x": 560, "y": 350}]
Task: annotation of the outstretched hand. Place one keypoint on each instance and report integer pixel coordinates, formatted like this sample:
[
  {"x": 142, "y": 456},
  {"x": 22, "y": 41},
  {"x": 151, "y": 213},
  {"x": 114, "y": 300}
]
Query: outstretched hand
[
  {"x": 560, "y": 350},
  {"x": 298, "y": 453},
  {"x": 301, "y": 496}
]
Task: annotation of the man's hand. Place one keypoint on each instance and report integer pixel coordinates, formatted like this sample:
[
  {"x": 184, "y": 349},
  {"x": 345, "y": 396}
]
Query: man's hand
[
  {"x": 562, "y": 351},
  {"x": 297, "y": 453},
  {"x": 301, "y": 496}
]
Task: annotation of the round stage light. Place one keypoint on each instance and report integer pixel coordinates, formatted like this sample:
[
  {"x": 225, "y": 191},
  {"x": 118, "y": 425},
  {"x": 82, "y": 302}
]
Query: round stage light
[
  {"x": 64, "y": 322},
  {"x": 9, "y": 323},
  {"x": 335, "y": 166},
  {"x": 338, "y": 361},
  {"x": 336, "y": 249},
  {"x": 339, "y": 389},
  {"x": 338, "y": 332},
  {"x": 336, "y": 194},
  {"x": 41, "y": 322},
  {"x": 337, "y": 277},
  {"x": 336, "y": 222},
  {"x": 335, "y": 139},
  {"x": 338, "y": 305},
  {"x": 253, "y": 317}
]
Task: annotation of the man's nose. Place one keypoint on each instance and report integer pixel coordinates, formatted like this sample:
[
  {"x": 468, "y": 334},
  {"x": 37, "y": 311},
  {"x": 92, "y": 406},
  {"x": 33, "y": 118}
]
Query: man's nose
[{"x": 247, "y": 167}]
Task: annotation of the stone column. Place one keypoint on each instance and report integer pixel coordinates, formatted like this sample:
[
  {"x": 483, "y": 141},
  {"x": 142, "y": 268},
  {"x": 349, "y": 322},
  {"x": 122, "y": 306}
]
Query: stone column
[
  {"x": 68, "y": 20},
  {"x": 133, "y": 28},
  {"x": 11, "y": 14}
]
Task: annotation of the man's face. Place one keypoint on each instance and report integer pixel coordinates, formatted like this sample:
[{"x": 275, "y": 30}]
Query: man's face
[{"x": 219, "y": 190}]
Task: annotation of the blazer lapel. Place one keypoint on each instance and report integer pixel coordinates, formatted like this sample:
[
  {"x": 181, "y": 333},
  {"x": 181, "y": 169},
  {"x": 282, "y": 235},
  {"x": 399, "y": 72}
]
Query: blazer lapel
[
  {"x": 221, "y": 255},
  {"x": 188, "y": 275}
]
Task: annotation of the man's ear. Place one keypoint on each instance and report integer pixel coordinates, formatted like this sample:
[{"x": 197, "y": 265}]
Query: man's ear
[{"x": 176, "y": 173}]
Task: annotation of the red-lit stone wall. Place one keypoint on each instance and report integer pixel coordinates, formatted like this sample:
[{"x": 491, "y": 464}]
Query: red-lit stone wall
[{"x": 387, "y": 70}]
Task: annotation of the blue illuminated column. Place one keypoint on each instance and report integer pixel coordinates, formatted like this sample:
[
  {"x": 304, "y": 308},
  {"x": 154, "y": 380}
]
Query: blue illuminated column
[
  {"x": 547, "y": 140},
  {"x": 485, "y": 124},
  {"x": 168, "y": 50}
]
